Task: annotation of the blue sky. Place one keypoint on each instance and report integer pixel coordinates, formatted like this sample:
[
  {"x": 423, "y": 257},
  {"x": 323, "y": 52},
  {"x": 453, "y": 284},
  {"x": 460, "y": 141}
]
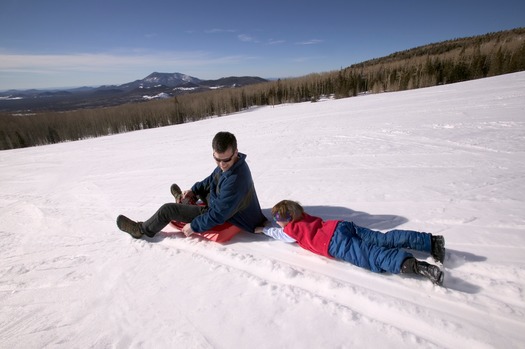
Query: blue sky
[{"x": 67, "y": 43}]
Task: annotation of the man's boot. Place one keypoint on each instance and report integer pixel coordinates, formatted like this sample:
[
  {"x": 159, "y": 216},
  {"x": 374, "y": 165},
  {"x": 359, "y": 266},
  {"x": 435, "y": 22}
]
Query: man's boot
[
  {"x": 177, "y": 195},
  {"x": 176, "y": 192},
  {"x": 431, "y": 272},
  {"x": 438, "y": 248},
  {"x": 131, "y": 227}
]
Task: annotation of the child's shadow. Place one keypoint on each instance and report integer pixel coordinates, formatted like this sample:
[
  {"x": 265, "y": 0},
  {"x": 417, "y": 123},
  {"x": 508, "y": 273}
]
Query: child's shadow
[{"x": 376, "y": 222}]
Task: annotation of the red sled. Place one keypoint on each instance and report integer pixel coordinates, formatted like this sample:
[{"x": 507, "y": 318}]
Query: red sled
[{"x": 220, "y": 233}]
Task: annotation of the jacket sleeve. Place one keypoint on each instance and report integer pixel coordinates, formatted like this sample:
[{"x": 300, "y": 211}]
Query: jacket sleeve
[
  {"x": 203, "y": 187},
  {"x": 232, "y": 192},
  {"x": 277, "y": 234}
]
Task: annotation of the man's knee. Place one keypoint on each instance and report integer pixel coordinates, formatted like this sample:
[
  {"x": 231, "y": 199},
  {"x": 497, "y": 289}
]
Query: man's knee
[{"x": 166, "y": 211}]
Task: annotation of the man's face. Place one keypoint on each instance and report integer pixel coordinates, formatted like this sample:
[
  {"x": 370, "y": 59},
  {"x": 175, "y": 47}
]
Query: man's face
[{"x": 225, "y": 160}]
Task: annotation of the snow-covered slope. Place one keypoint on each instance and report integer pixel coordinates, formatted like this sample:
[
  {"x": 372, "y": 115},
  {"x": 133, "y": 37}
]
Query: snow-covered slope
[{"x": 448, "y": 160}]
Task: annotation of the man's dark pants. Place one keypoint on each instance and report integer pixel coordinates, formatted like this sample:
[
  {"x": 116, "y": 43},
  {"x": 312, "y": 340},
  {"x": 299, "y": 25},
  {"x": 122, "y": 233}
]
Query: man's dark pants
[{"x": 171, "y": 212}]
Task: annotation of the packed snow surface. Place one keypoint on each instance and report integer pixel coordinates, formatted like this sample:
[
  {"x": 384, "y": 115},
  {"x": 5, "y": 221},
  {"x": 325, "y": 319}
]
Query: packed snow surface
[{"x": 447, "y": 160}]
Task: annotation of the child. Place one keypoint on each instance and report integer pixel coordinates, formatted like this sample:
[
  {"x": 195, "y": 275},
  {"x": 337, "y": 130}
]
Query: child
[{"x": 369, "y": 249}]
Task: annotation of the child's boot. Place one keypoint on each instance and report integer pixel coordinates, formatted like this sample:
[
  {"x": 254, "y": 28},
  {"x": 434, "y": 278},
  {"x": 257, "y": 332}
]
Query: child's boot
[
  {"x": 431, "y": 272},
  {"x": 438, "y": 248}
]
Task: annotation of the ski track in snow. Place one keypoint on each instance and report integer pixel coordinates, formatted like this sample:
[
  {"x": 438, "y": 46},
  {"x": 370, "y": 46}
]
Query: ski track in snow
[{"x": 448, "y": 160}]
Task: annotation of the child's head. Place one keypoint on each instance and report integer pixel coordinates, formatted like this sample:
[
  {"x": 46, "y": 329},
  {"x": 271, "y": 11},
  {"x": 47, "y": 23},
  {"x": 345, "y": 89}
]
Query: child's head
[{"x": 286, "y": 211}]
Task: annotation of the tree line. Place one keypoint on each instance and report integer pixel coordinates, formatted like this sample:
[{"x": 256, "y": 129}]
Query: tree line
[{"x": 430, "y": 65}]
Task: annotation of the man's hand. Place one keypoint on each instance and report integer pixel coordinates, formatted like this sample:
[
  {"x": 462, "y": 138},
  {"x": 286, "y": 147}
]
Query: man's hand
[
  {"x": 187, "y": 230},
  {"x": 188, "y": 194}
]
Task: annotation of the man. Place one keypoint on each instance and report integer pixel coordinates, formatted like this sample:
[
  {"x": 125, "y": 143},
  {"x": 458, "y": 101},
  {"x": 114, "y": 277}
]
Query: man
[{"x": 228, "y": 193}]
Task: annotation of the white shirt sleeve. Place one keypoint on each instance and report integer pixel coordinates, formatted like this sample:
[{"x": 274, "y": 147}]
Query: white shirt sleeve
[{"x": 277, "y": 234}]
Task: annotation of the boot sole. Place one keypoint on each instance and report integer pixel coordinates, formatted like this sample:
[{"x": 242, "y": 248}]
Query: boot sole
[
  {"x": 439, "y": 280},
  {"x": 176, "y": 192}
]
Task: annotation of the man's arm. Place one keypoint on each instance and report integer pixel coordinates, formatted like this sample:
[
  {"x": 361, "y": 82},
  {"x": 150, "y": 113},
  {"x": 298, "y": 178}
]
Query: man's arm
[
  {"x": 232, "y": 192},
  {"x": 202, "y": 188}
]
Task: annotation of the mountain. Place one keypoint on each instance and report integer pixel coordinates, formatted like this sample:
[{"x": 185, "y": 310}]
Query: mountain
[
  {"x": 162, "y": 79},
  {"x": 156, "y": 85}
]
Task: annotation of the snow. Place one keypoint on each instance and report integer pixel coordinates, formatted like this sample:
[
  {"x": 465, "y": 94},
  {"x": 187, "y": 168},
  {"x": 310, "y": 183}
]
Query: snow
[
  {"x": 184, "y": 88},
  {"x": 9, "y": 98},
  {"x": 447, "y": 160},
  {"x": 161, "y": 95}
]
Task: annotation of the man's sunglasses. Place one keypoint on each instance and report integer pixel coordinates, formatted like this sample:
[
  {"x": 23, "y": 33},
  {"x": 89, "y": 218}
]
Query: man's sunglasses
[{"x": 224, "y": 160}]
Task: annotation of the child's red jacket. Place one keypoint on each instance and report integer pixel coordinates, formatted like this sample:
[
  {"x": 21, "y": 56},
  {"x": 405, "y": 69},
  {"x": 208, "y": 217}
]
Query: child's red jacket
[{"x": 312, "y": 233}]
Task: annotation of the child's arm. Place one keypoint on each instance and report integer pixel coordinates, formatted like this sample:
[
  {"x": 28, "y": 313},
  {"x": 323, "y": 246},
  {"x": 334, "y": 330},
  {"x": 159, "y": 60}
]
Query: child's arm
[{"x": 275, "y": 232}]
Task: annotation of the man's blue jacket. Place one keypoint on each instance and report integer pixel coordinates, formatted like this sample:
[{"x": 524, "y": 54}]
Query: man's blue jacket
[{"x": 231, "y": 198}]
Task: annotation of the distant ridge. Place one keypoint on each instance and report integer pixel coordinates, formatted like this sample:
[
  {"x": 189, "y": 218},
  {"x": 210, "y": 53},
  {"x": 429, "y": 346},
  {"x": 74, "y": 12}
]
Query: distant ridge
[{"x": 154, "y": 86}]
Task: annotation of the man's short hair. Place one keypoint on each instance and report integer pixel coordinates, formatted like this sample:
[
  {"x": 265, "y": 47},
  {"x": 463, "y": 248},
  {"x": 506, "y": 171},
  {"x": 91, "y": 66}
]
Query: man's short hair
[{"x": 222, "y": 141}]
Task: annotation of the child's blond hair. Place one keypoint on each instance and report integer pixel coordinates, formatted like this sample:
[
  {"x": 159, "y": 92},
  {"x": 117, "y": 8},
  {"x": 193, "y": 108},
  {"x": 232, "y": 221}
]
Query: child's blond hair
[{"x": 288, "y": 208}]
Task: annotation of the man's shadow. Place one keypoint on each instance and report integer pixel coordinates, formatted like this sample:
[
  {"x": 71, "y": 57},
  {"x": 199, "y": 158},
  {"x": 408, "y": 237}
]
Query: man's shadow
[{"x": 376, "y": 222}]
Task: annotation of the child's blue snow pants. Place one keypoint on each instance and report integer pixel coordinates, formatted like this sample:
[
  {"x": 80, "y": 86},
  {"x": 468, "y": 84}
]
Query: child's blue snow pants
[{"x": 374, "y": 250}]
